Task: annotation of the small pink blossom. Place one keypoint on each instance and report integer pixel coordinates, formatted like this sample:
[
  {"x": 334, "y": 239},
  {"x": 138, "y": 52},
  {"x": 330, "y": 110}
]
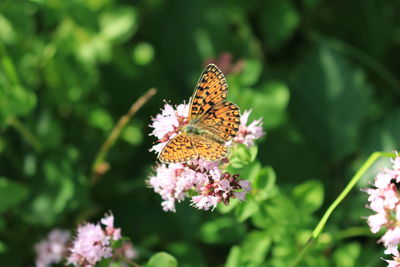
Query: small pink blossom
[
  {"x": 167, "y": 124},
  {"x": 108, "y": 221},
  {"x": 204, "y": 202},
  {"x": 226, "y": 64},
  {"x": 53, "y": 248},
  {"x": 248, "y": 133},
  {"x": 92, "y": 243},
  {"x": 384, "y": 200}
]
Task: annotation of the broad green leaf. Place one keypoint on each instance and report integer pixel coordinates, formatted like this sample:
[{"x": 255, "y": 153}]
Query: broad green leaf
[
  {"x": 11, "y": 193},
  {"x": 3, "y": 247},
  {"x": 246, "y": 210},
  {"x": 255, "y": 247},
  {"x": 331, "y": 98},
  {"x": 309, "y": 195},
  {"x": 118, "y": 24},
  {"x": 188, "y": 253},
  {"x": 268, "y": 101},
  {"x": 264, "y": 184},
  {"x": 234, "y": 256},
  {"x": 251, "y": 72},
  {"x": 278, "y": 20},
  {"x": 221, "y": 231},
  {"x": 162, "y": 259},
  {"x": 347, "y": 255},
  {"x": 383, "y": 135},
  {"x": 242, "y": 155}
]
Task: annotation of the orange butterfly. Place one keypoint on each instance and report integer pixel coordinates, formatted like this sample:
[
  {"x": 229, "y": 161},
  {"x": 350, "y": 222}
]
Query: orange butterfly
[{"x": 212, "y": 122}]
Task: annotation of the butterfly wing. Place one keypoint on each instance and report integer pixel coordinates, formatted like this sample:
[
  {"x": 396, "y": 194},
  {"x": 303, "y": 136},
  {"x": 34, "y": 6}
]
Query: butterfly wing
[
  {"x": 178, "y": 149},
  {"x": 209, "y": 150},
  {"x": 211, "y": 89},
  {"x": 222, "y": 120}
]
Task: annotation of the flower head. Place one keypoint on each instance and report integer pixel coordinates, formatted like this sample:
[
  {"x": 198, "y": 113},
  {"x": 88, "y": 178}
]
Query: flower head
[
  {"x": 168, "y": 123},
  {"x": 52, "y": 249},
  {"x": 248, "y": 133},
  {"x": 384, "y": 200},
  {"x": 92, "y": 243}
]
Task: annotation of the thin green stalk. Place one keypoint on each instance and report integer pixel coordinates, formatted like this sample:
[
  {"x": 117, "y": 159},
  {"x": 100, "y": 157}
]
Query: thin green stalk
[
  {"x": 25, "y": 133},
  {"x": 100, "y": 166},
  {"x": 318, "y": 229}
]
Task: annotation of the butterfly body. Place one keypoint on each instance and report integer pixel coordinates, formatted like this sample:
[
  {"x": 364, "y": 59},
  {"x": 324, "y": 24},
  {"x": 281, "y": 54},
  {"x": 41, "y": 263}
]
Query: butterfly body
[{"x": 212, "y": 122}]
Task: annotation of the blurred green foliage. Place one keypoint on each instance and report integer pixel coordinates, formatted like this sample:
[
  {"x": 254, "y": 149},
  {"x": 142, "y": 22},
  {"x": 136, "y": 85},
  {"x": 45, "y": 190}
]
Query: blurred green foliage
[{"x": 323, "y": 74}]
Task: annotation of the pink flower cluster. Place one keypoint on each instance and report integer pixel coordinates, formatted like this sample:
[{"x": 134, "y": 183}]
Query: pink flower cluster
[
  {"x": 52, "y": 249},
  {"x": 204, "y": 181},
  {"x": 175, "y": 181},
  {"x": 248, "y": 133},
  {"x": 384, "y": 200},
  {"x": 91, "y": 244}
]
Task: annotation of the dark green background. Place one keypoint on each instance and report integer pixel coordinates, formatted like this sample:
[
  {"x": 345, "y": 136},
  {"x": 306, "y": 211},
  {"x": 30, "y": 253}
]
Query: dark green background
[{"x": 324, "y": 75}]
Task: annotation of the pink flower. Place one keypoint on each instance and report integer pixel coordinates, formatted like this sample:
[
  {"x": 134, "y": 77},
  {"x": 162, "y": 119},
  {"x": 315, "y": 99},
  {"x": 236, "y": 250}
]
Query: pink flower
[
  {"x": 384, "y": 200},
  {"x": 53, "y": 248},
  {"x": 108, "y": 221},
  {"x": 174, "y": 182},
  {"x": 92, "y": 243},
  {"x": 396, "y": 257},
  {"x": 204, "y": 202},
  {"x": 226, "y": 64},
  {"x": 167, "y": 124},
  {"x": 90, "y": 246},
  {"x": 247, "y": 134}
]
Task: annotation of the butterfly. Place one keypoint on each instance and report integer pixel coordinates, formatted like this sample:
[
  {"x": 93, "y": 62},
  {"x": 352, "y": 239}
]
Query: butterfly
[{"x": 212, "y": 121}]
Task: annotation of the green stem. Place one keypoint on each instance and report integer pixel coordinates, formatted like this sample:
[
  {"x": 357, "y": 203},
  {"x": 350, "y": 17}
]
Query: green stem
[
  {"x": 318, "y": 229},
  {"x": 99, "y": 166},
  {"x": 25, "y": 133}
]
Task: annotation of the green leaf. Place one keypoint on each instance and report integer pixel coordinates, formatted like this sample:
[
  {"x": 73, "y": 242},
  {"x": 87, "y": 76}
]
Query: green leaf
[
  {"x": 234, "y": 256},
  {"x": 11, "y": 193},
  {"x": 278, "y": 20},
  {"x": 132, "y": 134},
  {"x": 221, "y": 230},
  {"x": 118, "y": 24},
  {"x": 255, "y": 247},
  {"x": 264, "y": 184},
  {"x": 143, "y": 54},
  {"x": 242, "y": 155},
  {"x": 309, "y": 195},
  {"x": 331, "y": 101},
  {"x": 383, "y": 135},
  {"x": 250, "y": 73},
  {"x": 3, "y": 247},
  {"x": 246, "y": 210},
  {"x": 268, "y": 101},
  {"x": 162, "y": 259},
  {"x": 347, "y": 255}
]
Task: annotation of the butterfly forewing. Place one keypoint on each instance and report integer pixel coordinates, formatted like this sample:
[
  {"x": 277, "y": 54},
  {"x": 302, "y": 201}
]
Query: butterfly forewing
[{"x": 210, "y": 90}]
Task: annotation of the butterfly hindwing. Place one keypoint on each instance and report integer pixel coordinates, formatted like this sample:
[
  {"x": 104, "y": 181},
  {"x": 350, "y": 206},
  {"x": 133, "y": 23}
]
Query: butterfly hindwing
[
  {"x": 178, "y": 149},
  {"x": 210, "y": 90},
  {"x": 223, "y": 120},
  {"x": 210, "y": 150}
]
